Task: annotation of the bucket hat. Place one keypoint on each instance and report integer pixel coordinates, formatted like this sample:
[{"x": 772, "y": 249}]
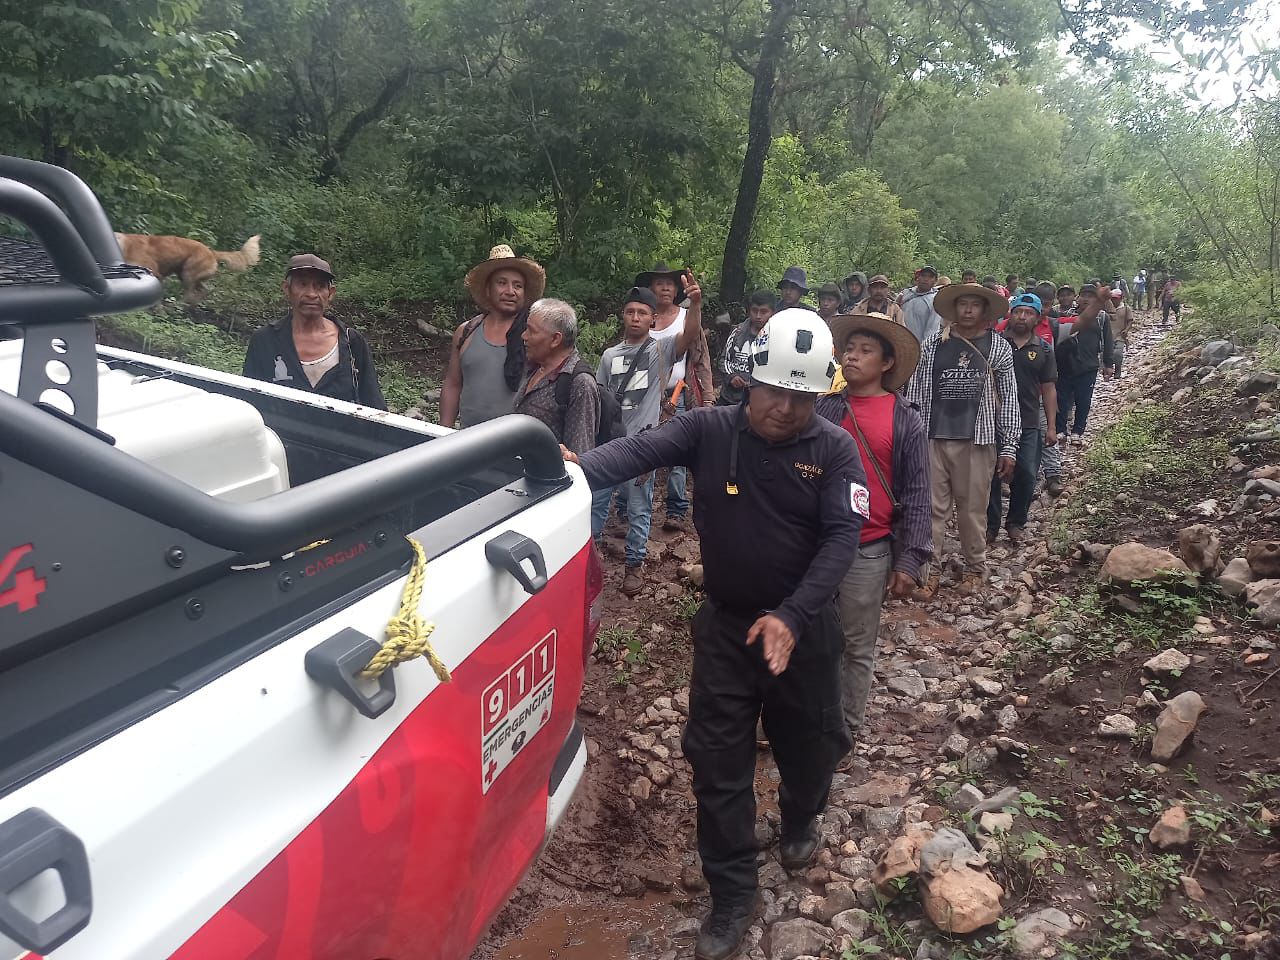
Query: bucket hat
[{"x": 797, "y": 276}]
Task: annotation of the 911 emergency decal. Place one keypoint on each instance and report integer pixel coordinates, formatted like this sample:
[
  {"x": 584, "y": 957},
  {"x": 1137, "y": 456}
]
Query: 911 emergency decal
[
  {"x": 515, "y": 707},
  {"x": 860, "y": 500}
]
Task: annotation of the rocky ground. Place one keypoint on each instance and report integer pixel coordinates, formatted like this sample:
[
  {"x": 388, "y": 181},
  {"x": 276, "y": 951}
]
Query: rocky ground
[{"x": 1084, "y": 761}]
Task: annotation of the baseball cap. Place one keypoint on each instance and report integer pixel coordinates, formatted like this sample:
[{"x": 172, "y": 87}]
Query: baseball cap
[
  {"x": 309, "y": 261},
  {"x": 1026, "y": 300},
  {"x": 641, "y": 295},
  {"x": 878, "y": 278},
  {"x": 928, "y": 268},
  {"x": 1117, "y": 294}
]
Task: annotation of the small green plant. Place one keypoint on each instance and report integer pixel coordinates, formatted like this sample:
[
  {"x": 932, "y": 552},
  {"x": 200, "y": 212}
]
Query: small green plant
[
  {"x": 1040, "y": 808},
  {"x": 611, "y": 639},
  {"x": 687, "y": 605}
]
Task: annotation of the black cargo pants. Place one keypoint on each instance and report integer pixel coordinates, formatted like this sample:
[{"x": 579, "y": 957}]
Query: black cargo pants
[{"x": 732, "y": 687}]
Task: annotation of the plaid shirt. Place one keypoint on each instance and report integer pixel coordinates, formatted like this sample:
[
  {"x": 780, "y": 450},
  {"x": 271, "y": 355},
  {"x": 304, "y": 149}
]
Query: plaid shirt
[{"x": 1002, "y": 426}]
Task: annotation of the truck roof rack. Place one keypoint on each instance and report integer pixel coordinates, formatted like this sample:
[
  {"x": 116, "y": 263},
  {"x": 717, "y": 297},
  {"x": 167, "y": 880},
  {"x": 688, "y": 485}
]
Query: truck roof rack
[{"x": 52, "y": 289}]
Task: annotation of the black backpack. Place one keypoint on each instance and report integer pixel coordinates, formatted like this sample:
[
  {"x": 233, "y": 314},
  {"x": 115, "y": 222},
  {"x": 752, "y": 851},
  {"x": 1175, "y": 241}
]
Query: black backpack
[{"x": 610, "y": 427}]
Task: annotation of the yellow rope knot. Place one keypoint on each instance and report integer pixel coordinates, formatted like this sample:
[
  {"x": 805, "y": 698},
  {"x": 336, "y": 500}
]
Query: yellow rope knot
[{"x": 408, "y": 635}]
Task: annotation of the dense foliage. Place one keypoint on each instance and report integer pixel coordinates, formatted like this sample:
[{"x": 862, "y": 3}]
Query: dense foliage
[{"x": 403, "y": 137}]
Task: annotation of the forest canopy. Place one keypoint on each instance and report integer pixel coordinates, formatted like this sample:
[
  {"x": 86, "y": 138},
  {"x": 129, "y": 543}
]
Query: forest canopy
[{"x": 404, "y": 137}]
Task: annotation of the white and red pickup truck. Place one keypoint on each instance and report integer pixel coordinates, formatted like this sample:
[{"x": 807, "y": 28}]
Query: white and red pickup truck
[{"x": 194, "y": 569}]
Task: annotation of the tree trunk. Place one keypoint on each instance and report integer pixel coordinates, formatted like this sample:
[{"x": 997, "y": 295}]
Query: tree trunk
[
  {"x": 733, "y": 271},
  {"x": 391, "y": 89}
]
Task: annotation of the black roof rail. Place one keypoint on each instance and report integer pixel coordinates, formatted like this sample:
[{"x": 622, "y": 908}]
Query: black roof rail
[{"x": 50, "y": 290}]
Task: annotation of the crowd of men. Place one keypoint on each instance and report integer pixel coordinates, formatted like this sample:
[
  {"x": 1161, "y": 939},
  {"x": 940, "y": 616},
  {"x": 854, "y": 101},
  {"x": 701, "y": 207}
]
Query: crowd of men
[{"x": 844, "y": 438}]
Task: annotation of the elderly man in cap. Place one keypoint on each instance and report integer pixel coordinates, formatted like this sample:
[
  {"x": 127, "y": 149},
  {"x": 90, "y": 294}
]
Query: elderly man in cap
[
  {"x": 689, "y": 384},
  {"x": 487, "y": 359},
  {"x": 877, "y": 356},
  {"x": 917, "y": 304},
  {"x": 967, "y": 394},
  {"x": 310, "y": 351},
  {"x": 879, "y": 301},
  {"x": 781, "y": 500},
  {"x": 793, "y": 285}
]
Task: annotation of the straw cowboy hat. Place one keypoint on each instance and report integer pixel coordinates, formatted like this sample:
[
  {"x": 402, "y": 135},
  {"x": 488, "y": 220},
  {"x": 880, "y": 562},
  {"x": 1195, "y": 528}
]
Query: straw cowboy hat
[
  {"x": 906, "y": 348},
  {"x": 660, "y": 269},
  {"x": 502, "y": 257},
  {"x": 944, "y": 304}
]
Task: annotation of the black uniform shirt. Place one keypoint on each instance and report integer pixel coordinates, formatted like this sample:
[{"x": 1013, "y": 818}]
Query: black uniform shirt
[{"x": 784, "y": 542}]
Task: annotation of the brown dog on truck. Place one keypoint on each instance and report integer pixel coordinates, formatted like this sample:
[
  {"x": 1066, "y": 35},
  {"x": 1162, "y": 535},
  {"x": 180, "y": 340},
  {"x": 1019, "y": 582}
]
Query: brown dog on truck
[{"x": 189, "y": 260}]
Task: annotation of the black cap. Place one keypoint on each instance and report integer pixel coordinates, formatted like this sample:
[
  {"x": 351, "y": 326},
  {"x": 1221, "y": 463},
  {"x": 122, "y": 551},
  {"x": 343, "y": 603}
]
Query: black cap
[
  {"x": 928, "y": 268},
  {"x": 309, "y": 261},
  {"x": 641, "y": 295}
]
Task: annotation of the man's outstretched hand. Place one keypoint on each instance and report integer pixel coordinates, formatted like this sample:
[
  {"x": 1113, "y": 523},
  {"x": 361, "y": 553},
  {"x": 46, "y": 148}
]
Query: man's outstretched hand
[
  {"x": 778, "y": 639},
  {"x": 569, "y": 455}
]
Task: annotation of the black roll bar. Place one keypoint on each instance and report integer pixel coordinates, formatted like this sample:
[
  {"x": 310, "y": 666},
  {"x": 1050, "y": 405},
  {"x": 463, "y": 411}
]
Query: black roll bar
[
  {"x": 92, "y": 227},
  {"x": 286, "y": 520}
]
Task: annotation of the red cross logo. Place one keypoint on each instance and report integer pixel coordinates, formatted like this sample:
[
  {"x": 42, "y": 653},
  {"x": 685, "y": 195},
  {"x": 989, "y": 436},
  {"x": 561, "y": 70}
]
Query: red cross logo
[
  {"x": 27, "y": 587},
  {"x": 493, "y": 769}
]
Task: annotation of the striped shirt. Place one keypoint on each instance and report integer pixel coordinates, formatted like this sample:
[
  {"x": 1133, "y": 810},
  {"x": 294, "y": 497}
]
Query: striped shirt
[{"x": 999, "y": 421}]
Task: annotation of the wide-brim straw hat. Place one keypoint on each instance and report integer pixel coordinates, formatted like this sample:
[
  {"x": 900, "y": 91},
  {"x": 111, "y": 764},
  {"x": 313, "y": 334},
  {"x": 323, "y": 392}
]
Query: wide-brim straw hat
[
  {"x": 660, "y": 269},
  {"x": 944, "y": 304},
  {"x": 906, "y": 348},
  {"x": 502, "y": 257}
]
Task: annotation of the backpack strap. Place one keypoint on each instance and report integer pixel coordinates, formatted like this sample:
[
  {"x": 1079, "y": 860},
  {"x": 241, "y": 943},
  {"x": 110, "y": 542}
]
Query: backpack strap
[
  {"x": 472, "y": 326},
  {"x": 564, "y": 381}
]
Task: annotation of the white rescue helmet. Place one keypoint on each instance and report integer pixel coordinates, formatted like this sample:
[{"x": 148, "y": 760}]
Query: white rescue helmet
[{"x": 794, "y": 351}]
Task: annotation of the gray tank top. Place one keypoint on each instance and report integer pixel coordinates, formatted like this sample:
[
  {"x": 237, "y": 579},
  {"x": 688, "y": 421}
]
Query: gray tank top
[{"x": 484, "y": 389}]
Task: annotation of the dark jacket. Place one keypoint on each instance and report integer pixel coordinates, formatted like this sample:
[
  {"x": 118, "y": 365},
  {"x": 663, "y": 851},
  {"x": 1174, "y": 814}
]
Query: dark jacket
[
  {"x": 847, "y": 302},
  {"x": 1093, "y": 347},
  {"x": 785, "y": 537},
  {"x": 272, "y": 357},
  {"x": 910, "y": 479}
]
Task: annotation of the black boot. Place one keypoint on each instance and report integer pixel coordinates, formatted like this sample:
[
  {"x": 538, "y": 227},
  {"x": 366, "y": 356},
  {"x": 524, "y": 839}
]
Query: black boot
[
  {"x": 796, "y": 850},
  {"x": 722, "y": 932}
]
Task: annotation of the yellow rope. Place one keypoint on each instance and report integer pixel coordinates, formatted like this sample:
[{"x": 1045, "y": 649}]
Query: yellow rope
[{"x": 408, "y": 635}]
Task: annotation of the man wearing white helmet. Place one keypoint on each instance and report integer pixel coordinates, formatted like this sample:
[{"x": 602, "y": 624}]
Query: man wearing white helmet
[{"x": 781, "y": 501}]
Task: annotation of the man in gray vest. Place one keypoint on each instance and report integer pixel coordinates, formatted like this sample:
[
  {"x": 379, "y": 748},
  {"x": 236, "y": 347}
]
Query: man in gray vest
[{"x": 487, "y": 359}]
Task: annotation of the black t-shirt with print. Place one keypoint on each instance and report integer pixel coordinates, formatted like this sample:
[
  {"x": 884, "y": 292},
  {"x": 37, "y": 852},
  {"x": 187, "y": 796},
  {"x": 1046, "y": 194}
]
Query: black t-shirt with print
[
  {"x": 959, "y": 377},
  {"x": 1033, "y": 365}
]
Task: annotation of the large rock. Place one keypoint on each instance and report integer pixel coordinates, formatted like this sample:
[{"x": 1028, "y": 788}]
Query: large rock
[
  {"x": 853, "y": 922},
  {"x": 840, "y": 897},
  {"x": 1257, "y": 383},
  {"x": 1119, "y": 727},
  {"x": 1172, "y": 829},
  {"x": 1215, "y": 351},
  {"x": 901, "y": 860},
  {"x": 959, "y": 895},
  {"x": 1175, "y": 724},
  {"x": 1263, "y": 596},
  {"x": 1168, "y": 663},
  {"x": 1264, "y": 559},
  {"x": 1128, "y": 562},
  {"x": 790, "y": 939},
  {"x": 1200, "y": 547},
  {"x": 1038, "y": 930},
  {"x": 1235, "y": 577}
]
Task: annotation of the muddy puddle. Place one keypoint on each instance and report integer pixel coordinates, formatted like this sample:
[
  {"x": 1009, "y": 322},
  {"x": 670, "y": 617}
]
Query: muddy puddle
[{"x": 581, "y": 932}]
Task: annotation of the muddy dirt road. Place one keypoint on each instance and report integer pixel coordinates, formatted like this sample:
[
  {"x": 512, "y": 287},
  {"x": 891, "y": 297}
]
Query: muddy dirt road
[{"x": 973, "y": 696}]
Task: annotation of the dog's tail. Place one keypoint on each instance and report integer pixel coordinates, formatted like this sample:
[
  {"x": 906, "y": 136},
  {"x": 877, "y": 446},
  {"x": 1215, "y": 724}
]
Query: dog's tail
[{"x": 241, "y": 259}]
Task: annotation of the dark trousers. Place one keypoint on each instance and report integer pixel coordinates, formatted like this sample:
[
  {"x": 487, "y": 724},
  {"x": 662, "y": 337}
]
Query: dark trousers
[
  {"x": 1075, "y": 391},
  {"x": 732, "y": 687},
  {"x": 1172, "y": 306},
  {"x": 1026, "y": 469}
]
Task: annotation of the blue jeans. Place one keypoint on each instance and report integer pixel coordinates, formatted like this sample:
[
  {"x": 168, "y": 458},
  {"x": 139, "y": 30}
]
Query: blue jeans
[
  {"x": 1026, "y": 468},
  {"x": 677, "y": 477},
  {"x": 639, "y": 514},
  {"x": 1075, "y": 391}
]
